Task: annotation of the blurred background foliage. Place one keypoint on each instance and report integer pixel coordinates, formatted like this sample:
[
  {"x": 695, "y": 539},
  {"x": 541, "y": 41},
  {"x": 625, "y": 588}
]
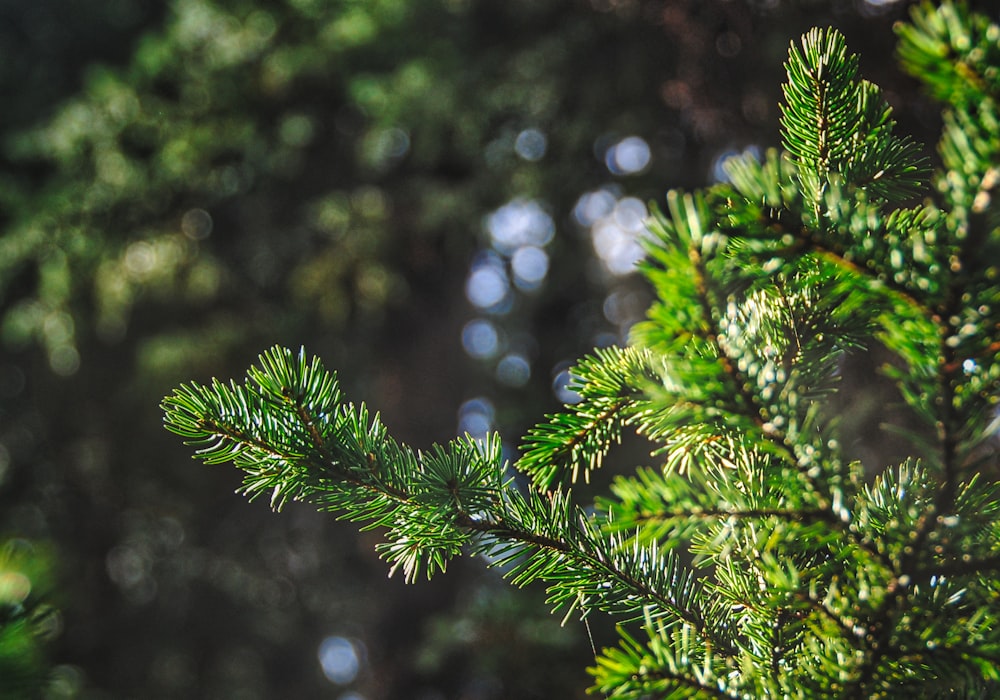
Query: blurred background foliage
[
  {"x": 27, "y": 620},
  {"x": 442, "y": 199}
]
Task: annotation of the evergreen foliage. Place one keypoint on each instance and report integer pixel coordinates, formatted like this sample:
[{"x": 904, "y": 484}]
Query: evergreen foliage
[
  {"x": 26, "y": 620},
  {"x": 754, "y": 558}
]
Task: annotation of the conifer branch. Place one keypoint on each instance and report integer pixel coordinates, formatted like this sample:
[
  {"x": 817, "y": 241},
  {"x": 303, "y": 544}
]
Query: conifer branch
[
  {"x": 611, "y": 386},
  {"x": 759, "y": 560},
  {"x": 742, "y": 401},
  {"x": 582, "y": 564},
  {"x": 886, "y": 618},
  {"x": 564, "y": 441}
]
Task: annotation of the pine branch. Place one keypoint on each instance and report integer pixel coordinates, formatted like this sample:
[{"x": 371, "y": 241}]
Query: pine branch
[
  {"x": 759, "y": 561},
  {"x": 610, "y": 386},
  {"x": 434, "y": 503},
  {"x": 838, "y": 127},
  {"x": 669, "y": 665}
]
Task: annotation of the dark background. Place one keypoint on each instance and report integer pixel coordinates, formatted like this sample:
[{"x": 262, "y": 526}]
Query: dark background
[{"x": 184, "y": 184}]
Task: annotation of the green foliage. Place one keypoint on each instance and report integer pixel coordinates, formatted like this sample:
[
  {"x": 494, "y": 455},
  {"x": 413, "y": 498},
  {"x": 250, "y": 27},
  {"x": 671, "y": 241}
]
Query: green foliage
[
  {"x": 25, "y": 619},
  {"x": 838, "y": 127},
  {"x": 953, "y": 51},
  {"x": 754, "y": 558},
  {"x": 332, "y": 127}
]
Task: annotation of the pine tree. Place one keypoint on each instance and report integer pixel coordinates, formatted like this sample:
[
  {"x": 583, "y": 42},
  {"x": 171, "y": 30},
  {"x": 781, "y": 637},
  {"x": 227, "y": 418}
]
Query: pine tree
[{"x": 753, "y": 558}]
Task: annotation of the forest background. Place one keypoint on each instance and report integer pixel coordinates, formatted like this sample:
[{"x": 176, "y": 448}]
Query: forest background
[{"x": 442, "y": 199}]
